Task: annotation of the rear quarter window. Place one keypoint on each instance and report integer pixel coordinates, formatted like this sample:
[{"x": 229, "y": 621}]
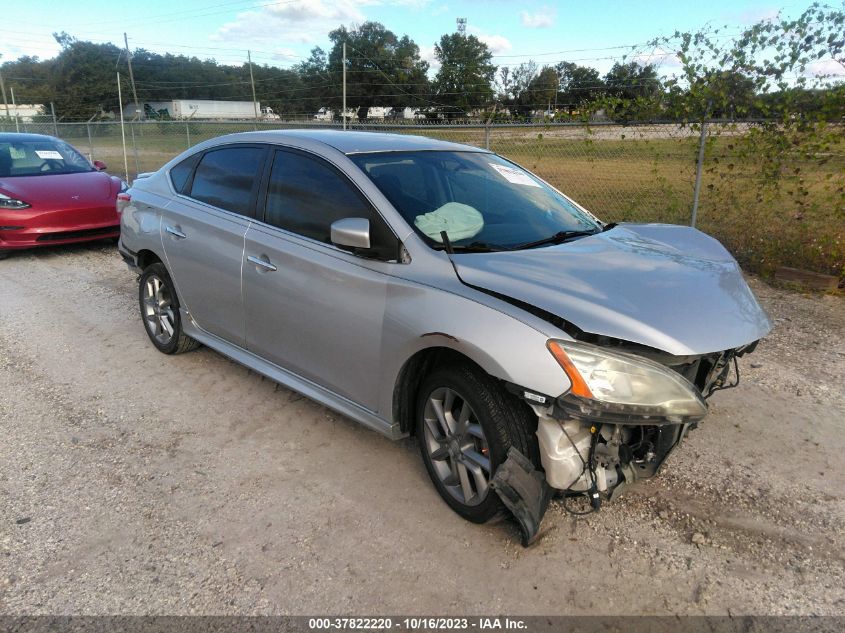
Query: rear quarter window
[{"x": 180, "y": 174}]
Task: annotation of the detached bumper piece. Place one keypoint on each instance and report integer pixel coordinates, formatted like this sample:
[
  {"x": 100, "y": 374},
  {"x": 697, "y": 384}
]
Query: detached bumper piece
[{"x": 524, "y": 491}]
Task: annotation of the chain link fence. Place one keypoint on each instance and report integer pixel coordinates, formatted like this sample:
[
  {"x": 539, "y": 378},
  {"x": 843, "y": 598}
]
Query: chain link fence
[{"x": 794, "y": 215}]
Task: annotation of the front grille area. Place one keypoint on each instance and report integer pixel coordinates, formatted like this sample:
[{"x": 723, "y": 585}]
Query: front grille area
[{"x": 72, "y": 235}]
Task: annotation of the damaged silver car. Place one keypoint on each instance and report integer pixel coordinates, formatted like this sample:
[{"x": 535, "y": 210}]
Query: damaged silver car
[{"x": 439, "y": 290}]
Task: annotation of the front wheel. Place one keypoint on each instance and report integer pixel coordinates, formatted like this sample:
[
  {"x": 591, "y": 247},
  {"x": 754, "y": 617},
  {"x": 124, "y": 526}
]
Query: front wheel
[
  {"x": 466, "y": 423},
  {"x": 160, "y": 311}
]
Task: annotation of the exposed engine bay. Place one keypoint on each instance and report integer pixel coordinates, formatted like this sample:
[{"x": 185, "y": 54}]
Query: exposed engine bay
[
  {"x": 584, "y": 453},
  {"x": 599, "y": 453}
]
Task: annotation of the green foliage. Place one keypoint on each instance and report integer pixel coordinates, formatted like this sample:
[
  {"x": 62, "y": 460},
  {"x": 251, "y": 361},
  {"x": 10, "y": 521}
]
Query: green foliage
[
  {"x": 382, "y": 68},
  {"x": 775, "y": 190},
  {"x": 466, "y": 74}
]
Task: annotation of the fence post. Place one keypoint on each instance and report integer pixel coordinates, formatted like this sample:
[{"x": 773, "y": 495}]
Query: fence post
[
  {"x": 699, "y": 167},
  {"x": 134, "y": 148},
  {"x": 55, "y": 126},
  {"x": 188, "y": 133},
  {"x": 90, "y": 142}
]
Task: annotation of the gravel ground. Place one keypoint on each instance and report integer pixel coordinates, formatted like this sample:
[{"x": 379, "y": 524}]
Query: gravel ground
[{"x": 135, "y": 483}]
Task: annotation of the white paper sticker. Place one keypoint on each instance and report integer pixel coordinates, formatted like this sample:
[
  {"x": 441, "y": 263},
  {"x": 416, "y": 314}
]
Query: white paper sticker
[
  {"x": 515, "y": 176},
  {"x": 48, "y": 154}
]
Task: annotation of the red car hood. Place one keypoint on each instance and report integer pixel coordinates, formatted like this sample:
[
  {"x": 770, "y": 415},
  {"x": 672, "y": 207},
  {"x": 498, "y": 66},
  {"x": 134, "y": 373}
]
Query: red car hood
[{"x": 91, "y": 187}]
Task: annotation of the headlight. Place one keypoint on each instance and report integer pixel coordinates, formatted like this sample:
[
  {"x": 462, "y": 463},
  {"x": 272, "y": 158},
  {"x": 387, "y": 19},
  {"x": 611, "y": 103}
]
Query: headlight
[
  {"x": 614, "y": 383},
  {"x": 11, "y": 203}
]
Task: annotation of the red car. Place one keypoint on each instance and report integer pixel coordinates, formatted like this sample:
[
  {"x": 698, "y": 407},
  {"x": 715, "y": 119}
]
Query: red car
[{"x": 51, "y": 194}]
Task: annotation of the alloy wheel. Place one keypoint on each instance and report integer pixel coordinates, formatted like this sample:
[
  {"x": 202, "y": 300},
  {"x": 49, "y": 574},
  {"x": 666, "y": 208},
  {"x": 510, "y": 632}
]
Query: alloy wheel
[
  {"x": 456, "y": 446},
  {"x": 159, "y": 313}
]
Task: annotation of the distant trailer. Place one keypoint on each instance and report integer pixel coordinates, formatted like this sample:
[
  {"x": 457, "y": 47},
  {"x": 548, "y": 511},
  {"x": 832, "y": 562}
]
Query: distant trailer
[{"x": 199, "y": 109}]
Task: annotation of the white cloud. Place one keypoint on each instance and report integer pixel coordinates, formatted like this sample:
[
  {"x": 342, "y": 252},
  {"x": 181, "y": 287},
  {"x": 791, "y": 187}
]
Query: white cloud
[
  {"x": 665, "y": 60},
  {"x": 427, "y": 54},
  {"x": 495, "y": 42},
  {"x": 300, "y": 22},
  {"x": 825, "y": 68},
  {"x": 42, "y": 46},
  {"x": 752, "y": 16},
  {"x": 543, "y": 18},
  {"x": 440, "y": 10}
]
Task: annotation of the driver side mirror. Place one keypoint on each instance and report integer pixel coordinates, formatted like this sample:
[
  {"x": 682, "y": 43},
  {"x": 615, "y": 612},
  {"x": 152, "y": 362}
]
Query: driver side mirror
[
  {"x": 99, "y": 165},
  {"x": 351, "y": 233}
]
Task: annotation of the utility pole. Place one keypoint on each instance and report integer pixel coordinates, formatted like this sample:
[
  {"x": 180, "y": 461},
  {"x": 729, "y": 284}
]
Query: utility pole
[
  {"x": 252, "y": 83},
  {"x": 122, "y": 130},
  {"x": 3, "y": 88},
  {"x": 15, "y": 108},
  {"x": 344, "y": 85},
  {"x": 138, "y": 112}
]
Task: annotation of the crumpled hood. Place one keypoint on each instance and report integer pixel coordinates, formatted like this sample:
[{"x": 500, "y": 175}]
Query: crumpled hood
[{"x": 670, "y": 287}]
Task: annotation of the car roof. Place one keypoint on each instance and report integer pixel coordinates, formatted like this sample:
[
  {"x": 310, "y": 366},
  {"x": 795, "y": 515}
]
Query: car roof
[
  {"x": 12, "y": 137},
  {"x": 350, "y": 142}
]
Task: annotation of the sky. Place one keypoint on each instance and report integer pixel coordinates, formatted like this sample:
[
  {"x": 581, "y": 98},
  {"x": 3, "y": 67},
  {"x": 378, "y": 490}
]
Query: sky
[{"x": 281, "y": 33}]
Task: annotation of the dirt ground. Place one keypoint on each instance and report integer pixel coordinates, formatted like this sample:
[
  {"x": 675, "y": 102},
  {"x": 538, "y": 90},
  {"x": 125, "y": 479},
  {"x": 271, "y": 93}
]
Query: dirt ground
[{"x": 136, "y": 483}]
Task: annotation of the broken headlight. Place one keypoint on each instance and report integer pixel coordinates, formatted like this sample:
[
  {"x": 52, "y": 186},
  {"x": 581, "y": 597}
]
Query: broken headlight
[{"x": 606, "y": 383}]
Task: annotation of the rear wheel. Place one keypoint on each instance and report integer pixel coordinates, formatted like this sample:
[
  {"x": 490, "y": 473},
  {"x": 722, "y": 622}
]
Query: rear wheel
[
  {"x": 160, "y": 311},
  {"x": 5, "y": 254},
  {"x": 465, "y": 425}
]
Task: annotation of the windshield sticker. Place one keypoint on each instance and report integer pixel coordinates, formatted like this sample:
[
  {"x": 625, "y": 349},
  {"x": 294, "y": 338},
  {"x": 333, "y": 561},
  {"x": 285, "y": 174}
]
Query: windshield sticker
[
  {"x": 515, "y": 176},
  {"x": 48, "y": 154}
]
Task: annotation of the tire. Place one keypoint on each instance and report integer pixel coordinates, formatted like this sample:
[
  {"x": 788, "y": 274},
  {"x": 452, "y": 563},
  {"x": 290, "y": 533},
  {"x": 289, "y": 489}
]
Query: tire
[
  {"x": 5, "y": 254},
  {"x": 160, "y": 315},
  {"x": 453, "y": 461}
]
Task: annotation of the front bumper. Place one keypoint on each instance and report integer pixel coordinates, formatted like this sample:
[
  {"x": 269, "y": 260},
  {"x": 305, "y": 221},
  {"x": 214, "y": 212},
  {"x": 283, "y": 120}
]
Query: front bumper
[{"x": 30, "y": 229}]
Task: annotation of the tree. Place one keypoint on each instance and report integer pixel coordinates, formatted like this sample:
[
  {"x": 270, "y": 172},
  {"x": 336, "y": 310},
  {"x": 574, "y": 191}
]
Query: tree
[
  {"x": 632, "y": 91},
  {"x": 464, "y": 81},
  {"x": 577, "y": 85},
  {"x": 632, "y": 80},
  {"x": 82, "y": 77},
  {"x": 382, "y": 69},
  {"x": 316, "y": 81}
]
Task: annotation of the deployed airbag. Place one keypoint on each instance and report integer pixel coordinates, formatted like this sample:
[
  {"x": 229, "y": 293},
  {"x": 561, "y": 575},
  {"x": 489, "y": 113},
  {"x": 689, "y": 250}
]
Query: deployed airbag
[{"x": 460, "y": 221}]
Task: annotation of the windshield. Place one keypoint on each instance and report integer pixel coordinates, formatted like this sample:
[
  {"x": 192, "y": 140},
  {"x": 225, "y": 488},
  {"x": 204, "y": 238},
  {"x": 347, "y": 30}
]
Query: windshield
[
  {"x": 482, "y": 201},
  {"x": 40, "y": 157}
]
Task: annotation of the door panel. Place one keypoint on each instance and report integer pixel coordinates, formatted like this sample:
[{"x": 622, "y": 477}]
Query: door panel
[
  {"x": 318, "y": 314},
  {"x": 204, "y": 248}
]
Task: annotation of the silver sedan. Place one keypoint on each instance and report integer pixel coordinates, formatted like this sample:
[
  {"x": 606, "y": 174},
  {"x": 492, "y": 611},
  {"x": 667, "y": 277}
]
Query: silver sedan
[{"x": 429, "y": 288}]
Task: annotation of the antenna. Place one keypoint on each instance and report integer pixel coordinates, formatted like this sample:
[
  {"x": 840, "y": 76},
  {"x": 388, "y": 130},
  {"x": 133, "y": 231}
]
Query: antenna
[{"x": 462, "y": 26}]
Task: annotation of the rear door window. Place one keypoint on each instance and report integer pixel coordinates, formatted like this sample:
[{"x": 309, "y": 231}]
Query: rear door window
[{"x": 228, "y": 178}]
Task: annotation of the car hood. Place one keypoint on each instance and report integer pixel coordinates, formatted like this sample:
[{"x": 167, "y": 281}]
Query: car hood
[
  {"x": 59, "y": 189},
  {"x": 669, "y": 287}
]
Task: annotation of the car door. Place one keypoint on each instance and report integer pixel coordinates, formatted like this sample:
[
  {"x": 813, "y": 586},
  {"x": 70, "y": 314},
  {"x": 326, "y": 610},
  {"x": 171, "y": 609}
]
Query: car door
[
  {"x": 311, "y": 307},
  {"x": 203, "y": 232}
]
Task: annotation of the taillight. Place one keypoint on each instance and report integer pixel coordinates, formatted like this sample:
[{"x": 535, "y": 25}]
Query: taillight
[{"x": 123, "y": 201}]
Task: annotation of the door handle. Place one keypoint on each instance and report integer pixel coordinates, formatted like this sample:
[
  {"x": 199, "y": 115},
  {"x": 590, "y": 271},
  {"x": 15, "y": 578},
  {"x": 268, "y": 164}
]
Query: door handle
[
  {"x": 262, "y": 263},
  {"x": 175, "y": 232}
]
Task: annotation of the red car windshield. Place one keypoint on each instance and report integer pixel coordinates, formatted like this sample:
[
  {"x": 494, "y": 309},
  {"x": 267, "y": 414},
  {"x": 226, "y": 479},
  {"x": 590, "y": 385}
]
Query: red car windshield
[{"x": 40, "y": 158}]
